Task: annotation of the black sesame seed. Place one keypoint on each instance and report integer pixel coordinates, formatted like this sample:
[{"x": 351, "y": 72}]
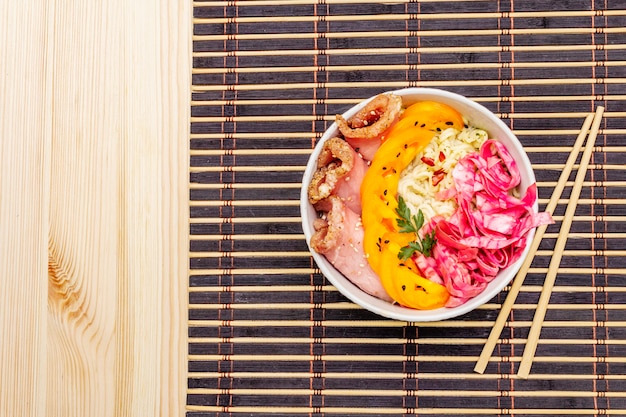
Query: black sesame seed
[
  {"x": 423, "y": 125},
  {"x": 438, "y": 129},
  {"x": 404, "y": 288},
  {"x": 450, "y": 123}
]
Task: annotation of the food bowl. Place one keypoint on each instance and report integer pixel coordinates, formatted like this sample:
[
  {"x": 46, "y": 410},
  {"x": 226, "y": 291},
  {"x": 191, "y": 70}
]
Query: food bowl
[{"x": 478, "y": 116}]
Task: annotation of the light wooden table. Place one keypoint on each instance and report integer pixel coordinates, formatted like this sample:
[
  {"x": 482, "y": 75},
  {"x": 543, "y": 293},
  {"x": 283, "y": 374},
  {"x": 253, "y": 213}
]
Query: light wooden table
[{"x": 94, "y": 128}]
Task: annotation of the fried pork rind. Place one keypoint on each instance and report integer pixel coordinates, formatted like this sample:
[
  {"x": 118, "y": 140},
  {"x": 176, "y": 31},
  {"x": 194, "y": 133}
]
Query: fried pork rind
[{"x": 365, "y": 130}]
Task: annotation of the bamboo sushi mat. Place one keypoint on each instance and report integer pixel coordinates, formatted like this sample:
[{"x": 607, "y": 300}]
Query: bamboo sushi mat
[{"x": 268, "y": 334}]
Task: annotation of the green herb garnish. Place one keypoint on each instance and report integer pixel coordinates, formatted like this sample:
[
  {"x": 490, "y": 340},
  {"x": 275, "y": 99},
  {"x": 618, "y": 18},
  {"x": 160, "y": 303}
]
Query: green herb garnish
[{"x": 412, "y": 224}]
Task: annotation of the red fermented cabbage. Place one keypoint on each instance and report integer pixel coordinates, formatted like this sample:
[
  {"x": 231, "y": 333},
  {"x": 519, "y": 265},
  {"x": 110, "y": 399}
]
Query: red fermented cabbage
[{"x": 487, "y": 231}]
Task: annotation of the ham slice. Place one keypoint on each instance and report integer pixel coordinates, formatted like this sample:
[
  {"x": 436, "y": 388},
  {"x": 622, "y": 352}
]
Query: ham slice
[
  {"x": 339, "y": 237},
  {"x": 487, "y": 231},
  {"x": 340, "y": 171},
  {"x": 365, "y": 130}
]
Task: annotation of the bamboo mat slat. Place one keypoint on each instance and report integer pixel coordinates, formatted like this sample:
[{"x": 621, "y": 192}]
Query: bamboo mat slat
[{"x": 269, "y": 335}]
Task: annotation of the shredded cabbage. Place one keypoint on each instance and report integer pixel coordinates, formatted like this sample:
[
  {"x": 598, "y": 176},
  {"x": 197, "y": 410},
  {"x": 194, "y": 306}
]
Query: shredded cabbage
[{"x": 445, "y": 150}]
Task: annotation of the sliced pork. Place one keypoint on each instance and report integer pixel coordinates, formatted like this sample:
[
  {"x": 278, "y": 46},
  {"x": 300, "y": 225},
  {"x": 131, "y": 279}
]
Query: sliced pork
[{"x": 339, "y": 237}]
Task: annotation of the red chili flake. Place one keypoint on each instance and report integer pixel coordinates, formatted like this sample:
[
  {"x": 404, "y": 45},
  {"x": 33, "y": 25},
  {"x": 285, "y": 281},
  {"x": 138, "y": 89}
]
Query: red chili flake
[
  {"x": 439, "y": 171},
  {"x": 437, "y": 178},
  {"x": 442, "y": 156},
  {"x": 428, "y": 161}
]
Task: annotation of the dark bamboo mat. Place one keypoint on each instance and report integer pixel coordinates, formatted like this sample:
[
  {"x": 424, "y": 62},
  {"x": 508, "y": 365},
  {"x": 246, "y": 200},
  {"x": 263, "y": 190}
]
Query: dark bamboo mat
[{"x": 269, "y": 335}]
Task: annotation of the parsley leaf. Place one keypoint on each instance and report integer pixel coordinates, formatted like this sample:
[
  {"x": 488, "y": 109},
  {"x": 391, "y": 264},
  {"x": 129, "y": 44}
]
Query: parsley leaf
[
  {"x": 405, "y": 252},
  {"x": 408, "y": 223},
  {"x": 419, "y": 220},
  {"x": 404, "y": 222},
  {"x": 427, "y": 243}
]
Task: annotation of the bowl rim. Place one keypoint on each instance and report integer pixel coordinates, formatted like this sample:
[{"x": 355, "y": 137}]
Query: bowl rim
[{"x": 371, "y": 303}]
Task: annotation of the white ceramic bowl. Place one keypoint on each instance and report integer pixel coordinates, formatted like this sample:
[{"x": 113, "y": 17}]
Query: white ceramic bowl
[{"x": 478, "y": 116}]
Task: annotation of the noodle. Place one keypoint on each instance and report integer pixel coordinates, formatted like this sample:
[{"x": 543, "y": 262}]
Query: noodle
[{"x": 444, "y": 151}]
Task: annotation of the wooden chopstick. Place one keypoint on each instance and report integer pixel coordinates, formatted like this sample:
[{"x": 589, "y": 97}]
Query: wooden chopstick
[
  {"x": 516, "y": 285},
  {"x": 546, "y": 292}
]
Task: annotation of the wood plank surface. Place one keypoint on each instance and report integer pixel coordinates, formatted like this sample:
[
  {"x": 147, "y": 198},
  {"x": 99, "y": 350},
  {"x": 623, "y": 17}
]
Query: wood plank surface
[
  {"x": 24, "y": 170},
  {"x": 94, "y": 120}
]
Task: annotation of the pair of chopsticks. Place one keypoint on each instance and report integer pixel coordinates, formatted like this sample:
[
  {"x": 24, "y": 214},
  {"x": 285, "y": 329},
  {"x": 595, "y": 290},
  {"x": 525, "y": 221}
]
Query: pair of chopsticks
[{"x": 594, "y": 121}]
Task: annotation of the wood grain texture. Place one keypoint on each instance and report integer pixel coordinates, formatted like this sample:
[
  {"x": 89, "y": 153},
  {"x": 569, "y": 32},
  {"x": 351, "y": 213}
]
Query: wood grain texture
[
  {"x": 24, "y": 169},
  {"x": 93, "y": 190}
]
